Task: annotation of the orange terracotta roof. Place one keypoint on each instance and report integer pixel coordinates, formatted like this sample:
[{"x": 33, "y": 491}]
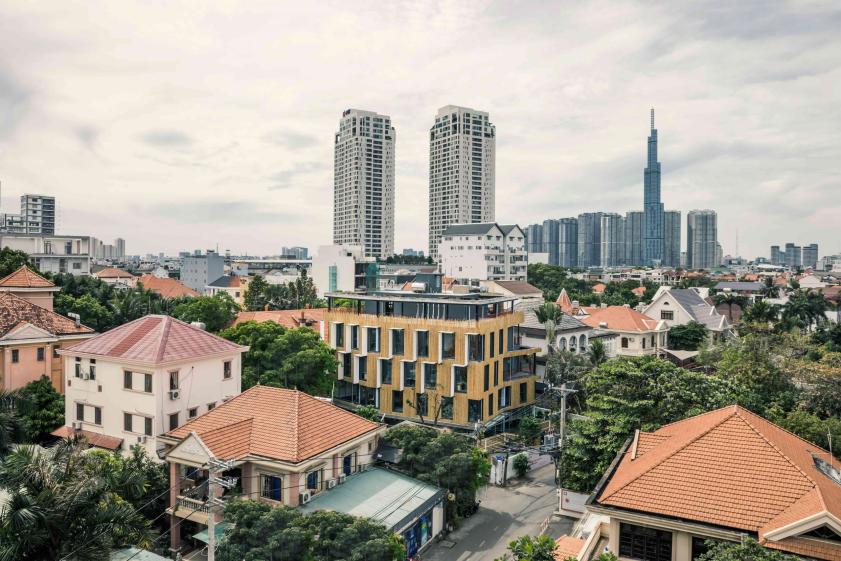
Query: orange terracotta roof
[
  {"x": 16, "y": 312},
  {"x": 155, "y": 339},
  {"x": 113, "y": 273},
  {"x": 564, "y": 302},
  {"x": 92, "y": 438},
  {"x": 167, "y": 288},
  {"x": 277, "y": 423},
  {"x": 729, "y": 468},
  {"x": 287, "y": 318},
  {"x": 639, "y": 291},
  {"x": 25, "y": 277},
  {"x": 599, "y": 288},
  {"x": 567, "y": 546},
  {"x": 619, "y": 318}
]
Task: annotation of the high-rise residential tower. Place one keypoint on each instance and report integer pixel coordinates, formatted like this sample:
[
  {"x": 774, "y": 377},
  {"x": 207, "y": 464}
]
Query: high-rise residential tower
[
  {"x": 363, "y": 183},
  {"x": 777, "y": 256},
  {"x": 550, "y": 241},
  {"x": 633, "y": 237},
  {"x": 652, "y": 206},
  {"x": 671, "y": 238},
  {"x": 589, "y": 239},
  {"x": 794, "y": 256},
  {"x": 534, "y": 238},
  {"x": 568, "y": 242},
  {"x": 701, "y": 239},
  {"x": 810, "y": 256},
  {"x": 462, "y": 170},
  {"x": 612, "y": 240}
]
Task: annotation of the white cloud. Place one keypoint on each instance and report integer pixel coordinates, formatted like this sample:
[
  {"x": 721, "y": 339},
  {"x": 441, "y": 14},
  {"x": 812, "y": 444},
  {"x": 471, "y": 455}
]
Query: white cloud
[{"x": 183, "y": 126}]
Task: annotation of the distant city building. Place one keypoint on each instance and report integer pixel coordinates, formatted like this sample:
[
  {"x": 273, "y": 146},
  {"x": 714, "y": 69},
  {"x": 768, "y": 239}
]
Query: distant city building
[
  {"x": 345, "y": 268},
  {"x": 56, "y": 253},
  {"x": 480, "y": 252},
  {"x": 534, "y": 238},
  {"x": 37, "y": 216},
  {"x": 363, "y": 183},
  {"x": 462, "y": 171},
  {"x": 794, "y": 256},
  {"x": 589, "y": 239},
  {"x": 198, "y": 271},
  {"x": 777, "y": 256},
  {"x": 633, "y": 237},
  {"x": 810, "y": 256},
  {"x": 671, "y": 238},
  {"x": 612, "y": 240},
  {"x": 652, "y": 205},
  {"x": 410, "y": 252},
  {"x": 296, "y": 252},
  {"x": 702, "y": 246}
]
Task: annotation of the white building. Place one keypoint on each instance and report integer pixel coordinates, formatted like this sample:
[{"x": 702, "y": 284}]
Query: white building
[
  {"x": 479, "y": 252},
  {"x": 54, "y": 254},
  {"x": 462, "y": 171},
  {"x": 679, "y": 306},
  {"x": 638, "y": 334},
  {"x": 37, "y": 216},
  {"x": 197, "y": 271},
  {"x": 340, "y": 268},
  {"x": 144, "y": 378},
  {"x": 702, "y": 247},
  {"x": 363, "y": 183}
]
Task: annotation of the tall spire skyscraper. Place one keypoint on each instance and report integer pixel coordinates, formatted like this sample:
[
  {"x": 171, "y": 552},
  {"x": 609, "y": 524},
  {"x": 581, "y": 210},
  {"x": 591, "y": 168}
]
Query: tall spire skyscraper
[{"x": 653, "y": 215}]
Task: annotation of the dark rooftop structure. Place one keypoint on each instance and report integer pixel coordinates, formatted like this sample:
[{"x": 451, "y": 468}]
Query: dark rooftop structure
[{"x": 464, "y": 307}]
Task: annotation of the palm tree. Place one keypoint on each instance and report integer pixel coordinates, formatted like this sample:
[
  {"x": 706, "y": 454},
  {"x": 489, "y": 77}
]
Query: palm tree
[
  {"x": 64, "y": 503},
  {"x": 805, "y": 309},
  {"x": 11, "y": 425},
  {"x": 730, "y": 299},
  {"x": 761, "y": 312},
  {"x": 769, "y": 290},
  {"x": 596, "y": 352},
  {"x": 550, "y": 315}
]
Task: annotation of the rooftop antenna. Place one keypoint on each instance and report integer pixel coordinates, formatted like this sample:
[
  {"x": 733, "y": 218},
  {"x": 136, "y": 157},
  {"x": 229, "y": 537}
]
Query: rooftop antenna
[{"x": 652, "y": 118}]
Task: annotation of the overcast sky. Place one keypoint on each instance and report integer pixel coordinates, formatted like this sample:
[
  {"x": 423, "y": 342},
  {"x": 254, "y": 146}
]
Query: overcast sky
[{"x": 181, "y": 127}]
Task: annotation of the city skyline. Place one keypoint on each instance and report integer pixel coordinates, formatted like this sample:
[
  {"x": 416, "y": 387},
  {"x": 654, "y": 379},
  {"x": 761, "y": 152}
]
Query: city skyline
[{"x": 158, "y": 151}]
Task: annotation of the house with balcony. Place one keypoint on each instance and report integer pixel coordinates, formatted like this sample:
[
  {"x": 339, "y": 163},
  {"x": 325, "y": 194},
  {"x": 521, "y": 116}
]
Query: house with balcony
[
  {"x": 144, "y": 378},
  {"x": 458, "y": 359},
  {"x": 637, "y": 334},
  {"x": 471, "y": 253},
  {"x": 286, "y": 448},
  {"x": 54, "y": 253},
  {"x": 721, "y": 476}
]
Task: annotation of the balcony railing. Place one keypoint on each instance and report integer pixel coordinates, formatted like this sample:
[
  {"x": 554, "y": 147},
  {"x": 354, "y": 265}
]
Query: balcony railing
[{"x": 194, "y": 505}]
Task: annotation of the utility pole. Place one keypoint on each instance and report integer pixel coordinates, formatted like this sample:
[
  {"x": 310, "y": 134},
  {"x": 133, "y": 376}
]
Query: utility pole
[
  {"x": 215, "y": 468},
  {"x": 564, "y": 391}
]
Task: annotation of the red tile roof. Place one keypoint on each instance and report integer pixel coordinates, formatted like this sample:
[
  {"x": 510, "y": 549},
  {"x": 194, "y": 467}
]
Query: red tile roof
[
  {"x": 567, "y": 546},
  {"x": 167, "y": 288},
  {"x": 113, "y": 273},
  {"x": 155, "y": 339},
  {"x": 287, "y": 318},
  {"x": 25, "y": 278},
  {"x": 564, "y": 302},
  {"x": 276, "y": 423},
  {"x": 619, "y": 318},
  {"x": 15, "y": 311},
  {"x": 92, "y": 438},
  {"x": 728, "y": 468},
  {"x": 599, "y": 288}
]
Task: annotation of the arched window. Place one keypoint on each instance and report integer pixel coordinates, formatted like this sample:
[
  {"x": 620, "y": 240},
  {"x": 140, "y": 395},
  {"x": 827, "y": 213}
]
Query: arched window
[
  {"x": 563, "y": 344},
  {"x": 582, "y": 342},
  {"x": 624, "y": 342},
  {"x": 572, "y": 343}
]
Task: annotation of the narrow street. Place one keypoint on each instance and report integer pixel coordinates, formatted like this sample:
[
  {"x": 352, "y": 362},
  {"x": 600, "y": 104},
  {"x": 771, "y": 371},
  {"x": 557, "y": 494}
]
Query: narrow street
[{"x": 505, "y": 514}]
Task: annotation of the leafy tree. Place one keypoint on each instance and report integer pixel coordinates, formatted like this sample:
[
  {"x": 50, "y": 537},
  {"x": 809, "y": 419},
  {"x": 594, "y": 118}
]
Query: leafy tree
[
  {"x": 687, "y": 337},
  {"x": 633, "y": 393},
  {"x": 45, "y": 412},
  {"x": 809, "y": 426},
  {"x": 566, "y": 366},
  {"x": 91, "y": 312},
  {"x": 262, "y": 532},
  {"x": 530, "y": 548},
  {"x": 761, "y": 313},
  {"x": 550, "y": 315},
  {"x": 215, "y": 311},
  {"x": 294, "y": 295},
  {"x": 820, "y": 382},
  {"x": 521, "y": 464},
  {"x": 529, "y": 430},
  {"x": 748, "y": 550},
  {"x": 551, "y": 279},
  {"x": 255, "y": 294},
  {"x": 13, "y": 259},
  {"x": 804, "y": 309},
  {"x": 284, "y": 358},
  {"x": 444, "y": 459},
  {"x": 63, "y": 501},
  {"x": 369, "y": 412}
]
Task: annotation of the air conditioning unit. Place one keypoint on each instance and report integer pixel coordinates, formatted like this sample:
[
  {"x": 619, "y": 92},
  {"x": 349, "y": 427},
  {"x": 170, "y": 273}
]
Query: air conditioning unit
[
  {"x": 331, "y": 483},
  {"x": 342, "y": 478},
  {"x": 305, "y": 497},
  {"x": 77, "y": 425},
  {"x": 174, "y": 394},
  {"x": 142, "y": 439}
]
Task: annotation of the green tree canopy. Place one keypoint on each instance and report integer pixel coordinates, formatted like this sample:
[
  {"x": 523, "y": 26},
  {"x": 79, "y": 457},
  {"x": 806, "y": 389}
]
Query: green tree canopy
[
  {"x": 444, "y": 459},
  {"x": 530, "y": 548},
  {"x": 215, "y": 311},
  {"x": 255, "y": 294},
  {"x": 65, "y": 501},
  {"x": 529, "y": 430},
  {"x": 687, "y": 337},
  {"x": 91, "y": 312},
  {"x": 12, "y": 426},
  {"x": 748, "y": 550},
  {"x": 45, "y": 412},
  {"x": 263, "y": 532},
  {"x": 13, "y": 259},
  {"x": 627, "y": 394},
  {"x": 285, "y": 358}
]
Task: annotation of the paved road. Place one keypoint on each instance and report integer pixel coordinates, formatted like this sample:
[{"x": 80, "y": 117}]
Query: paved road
[{"x": 505, "y": 514}]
